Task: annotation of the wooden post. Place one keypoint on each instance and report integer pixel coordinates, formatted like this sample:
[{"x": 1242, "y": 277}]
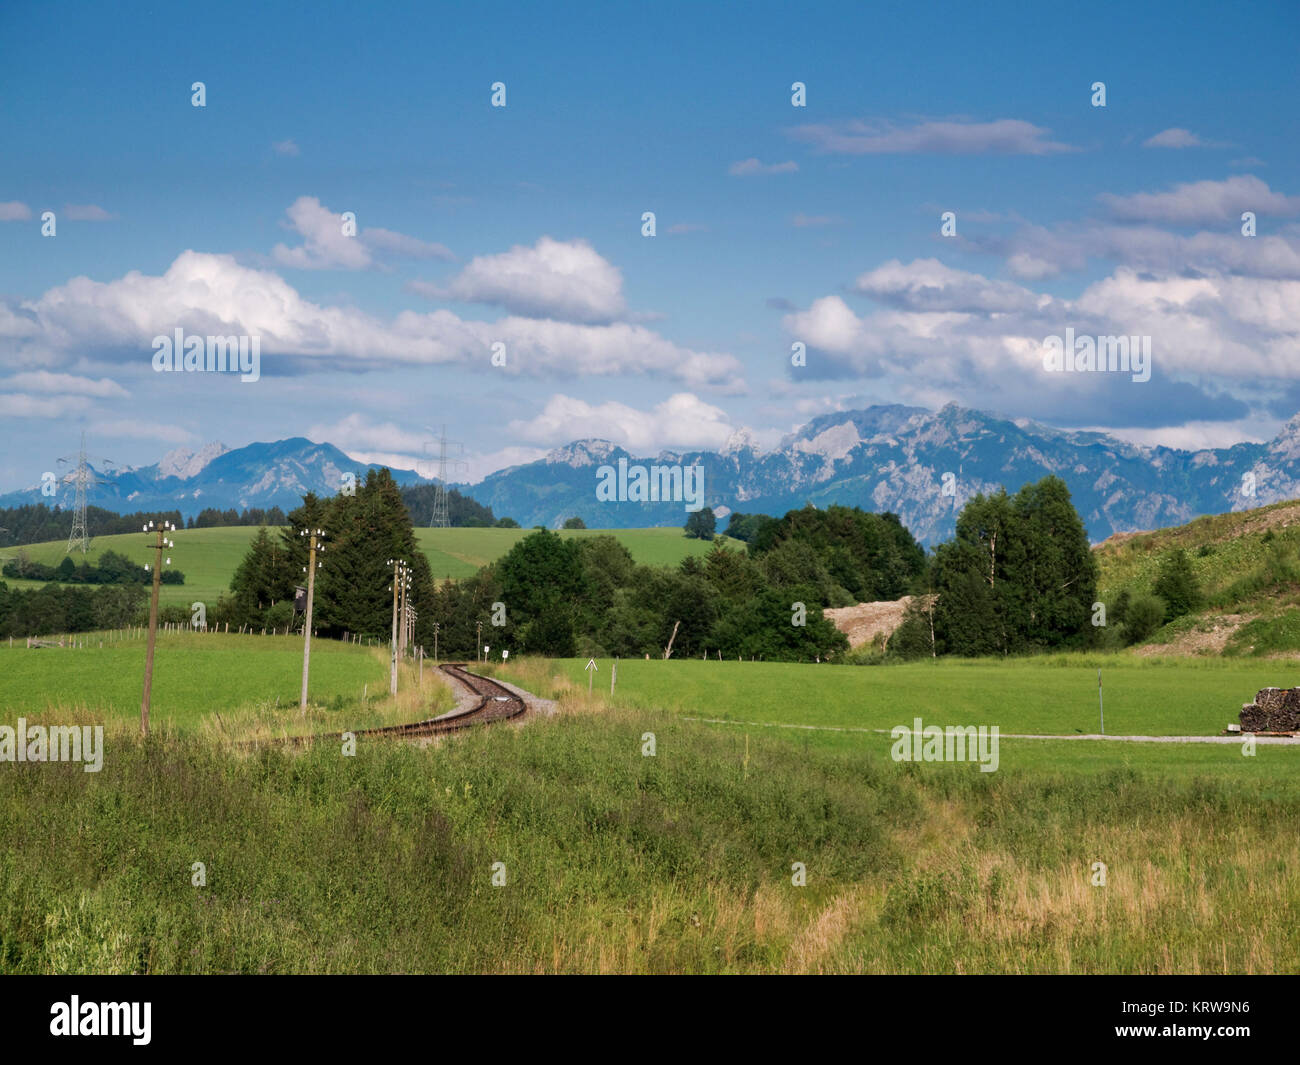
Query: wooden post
[
  {"x": 669, "y": 649},
  {"x": 306, "y": 628},
  {"x": 159, "y": 543}
]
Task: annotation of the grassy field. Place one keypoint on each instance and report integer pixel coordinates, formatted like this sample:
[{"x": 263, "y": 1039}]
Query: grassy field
[
  {"x": 1053, "y": 695},
  {"x": 460, "y": 552},
  {"x": 617, "y": 862},
  {"x": 839, "y": 708},
  {"x": 209, "y": 557},
  {"x": 246, "y": 680}
]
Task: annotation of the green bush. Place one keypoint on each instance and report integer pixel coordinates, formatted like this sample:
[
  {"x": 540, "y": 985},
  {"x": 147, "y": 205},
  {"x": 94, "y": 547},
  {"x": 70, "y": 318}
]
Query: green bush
[{"x": 1145, "y": 614}]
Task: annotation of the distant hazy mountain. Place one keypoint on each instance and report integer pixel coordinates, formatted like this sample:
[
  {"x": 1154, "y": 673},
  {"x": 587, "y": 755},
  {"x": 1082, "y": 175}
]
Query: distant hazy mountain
[
  {"x": 259, "y": 475},
  {"x": 883, "y": 458},
  {"x": 895, "y": 458}
]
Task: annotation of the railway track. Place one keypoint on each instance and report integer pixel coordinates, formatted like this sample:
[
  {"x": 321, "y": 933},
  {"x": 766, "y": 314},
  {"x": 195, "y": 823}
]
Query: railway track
[{"x": 495, "y": 702}]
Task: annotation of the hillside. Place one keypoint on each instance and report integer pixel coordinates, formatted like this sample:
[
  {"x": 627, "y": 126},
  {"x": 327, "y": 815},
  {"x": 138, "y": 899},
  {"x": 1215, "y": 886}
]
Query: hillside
[
  {"x": 209, "y": 557},
  {"x": 1248, "y": 566}
]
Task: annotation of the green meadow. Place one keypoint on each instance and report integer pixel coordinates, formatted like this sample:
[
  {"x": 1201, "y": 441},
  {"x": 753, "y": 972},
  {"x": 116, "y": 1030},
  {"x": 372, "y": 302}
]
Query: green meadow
[
  {"x": 195, "y": 674},
  {"x": 844, "y": 708},
  {"x": 619, "y": 860},
  {"x": 209, "y": 557},
  {"x": 458, "y": 553},
  {"x": 1051, "y": 695}
]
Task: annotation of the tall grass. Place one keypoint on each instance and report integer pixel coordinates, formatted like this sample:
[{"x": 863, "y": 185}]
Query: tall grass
[{"x": 615, "y": 861}]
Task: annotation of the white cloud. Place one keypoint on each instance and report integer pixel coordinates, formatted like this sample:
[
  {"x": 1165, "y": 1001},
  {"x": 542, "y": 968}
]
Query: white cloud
[
  {"x": 355, "y": 432},
  {"x": 285, "y": 147},
  {"x": 566, "y": 280},
  {"x": 829, "y": 324},
  {"x": 1176, "y": 137},
  {"x": 213, "y": 294},
  {"x": 135, "y": 429},
  {"x": 681, "y": 421},
  {"x": 389, "y": 444},
  {"x": 1195, "y": 435},
  {"x": 929, "y": 285},
  {"x": 13, "y": 211},
  {"x": 1006, "y": 136},
  {"x": 325, "y": 247},
  {"x": 1231, "y": 327},
  {"x": 20, "y": 405},
  {"x": 753, "y": 167},
  {"x": 1202, "y": 202},
  {"x": 65, "y": 384}
]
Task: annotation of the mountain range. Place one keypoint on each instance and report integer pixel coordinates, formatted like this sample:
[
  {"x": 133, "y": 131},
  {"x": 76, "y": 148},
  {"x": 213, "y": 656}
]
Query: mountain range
[{"x": 920, "y": 464}]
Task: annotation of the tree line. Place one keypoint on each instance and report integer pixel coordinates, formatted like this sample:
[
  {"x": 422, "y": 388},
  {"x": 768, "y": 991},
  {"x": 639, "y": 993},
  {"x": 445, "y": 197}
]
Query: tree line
[
  {"x": 36, "y": 523},
  {"x": 111, "y": 568},
  {"x": 555, "y": 596}
]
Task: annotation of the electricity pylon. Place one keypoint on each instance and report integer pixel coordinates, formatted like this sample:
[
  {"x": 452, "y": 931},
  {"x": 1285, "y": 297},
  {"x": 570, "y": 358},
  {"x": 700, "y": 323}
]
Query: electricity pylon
[
  {"x": 441, "y": 518},
  {"x": 82, "y": 479}
]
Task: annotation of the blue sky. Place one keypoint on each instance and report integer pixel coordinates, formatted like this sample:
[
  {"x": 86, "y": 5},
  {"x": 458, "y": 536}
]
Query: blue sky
[{"x": 522, "y": 225}]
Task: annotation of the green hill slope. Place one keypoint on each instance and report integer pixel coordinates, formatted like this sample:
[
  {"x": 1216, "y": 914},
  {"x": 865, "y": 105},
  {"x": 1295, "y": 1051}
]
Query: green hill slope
[
  {"x": 209, "y": 557},
  {"x": 1248, "y": 566}
]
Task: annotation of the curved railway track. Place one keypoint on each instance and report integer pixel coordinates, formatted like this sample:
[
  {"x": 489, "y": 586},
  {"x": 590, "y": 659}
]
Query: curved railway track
[{"x": 496, "y": 703}]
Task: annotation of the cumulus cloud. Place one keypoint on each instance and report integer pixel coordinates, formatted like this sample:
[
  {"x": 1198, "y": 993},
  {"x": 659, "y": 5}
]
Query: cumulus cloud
[
  {"x": 681, "y": 421},
  {"x": 1202, "y": 202},
  {"x": 13, "y": 211},
  {"x": 215, "y": 295},
  {"x": 1037, "y": 252},
  {"x": 389, "y": 444},
  {"x": 945, "y": 327},
  {"x": 1006, "y": 136},
  {"x": 325, "y": 247},
  {"x": 929, "y": 285},
  {"x": 754, "y": 167},
  {"x": 565, "y": 280}
]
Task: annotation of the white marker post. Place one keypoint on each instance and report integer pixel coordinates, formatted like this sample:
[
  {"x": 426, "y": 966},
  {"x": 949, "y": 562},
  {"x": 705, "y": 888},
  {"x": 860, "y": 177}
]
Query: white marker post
[
  {"x": 1100, "y": 705},
  {"x": 613, "y": 676},
  {"x": 591, "y": 673}
]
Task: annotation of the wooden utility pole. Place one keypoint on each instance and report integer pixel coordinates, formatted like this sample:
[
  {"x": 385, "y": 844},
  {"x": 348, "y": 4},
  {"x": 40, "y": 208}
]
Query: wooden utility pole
[
  {"x": 478, "y": 641},
  {"x": 160, "y": 541},
  {"x": 316, "y": 536},
  {"x": 436, "y": 627},
  {"x": 404, "y": 612},
  {"x": 399, "y": 570}
]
